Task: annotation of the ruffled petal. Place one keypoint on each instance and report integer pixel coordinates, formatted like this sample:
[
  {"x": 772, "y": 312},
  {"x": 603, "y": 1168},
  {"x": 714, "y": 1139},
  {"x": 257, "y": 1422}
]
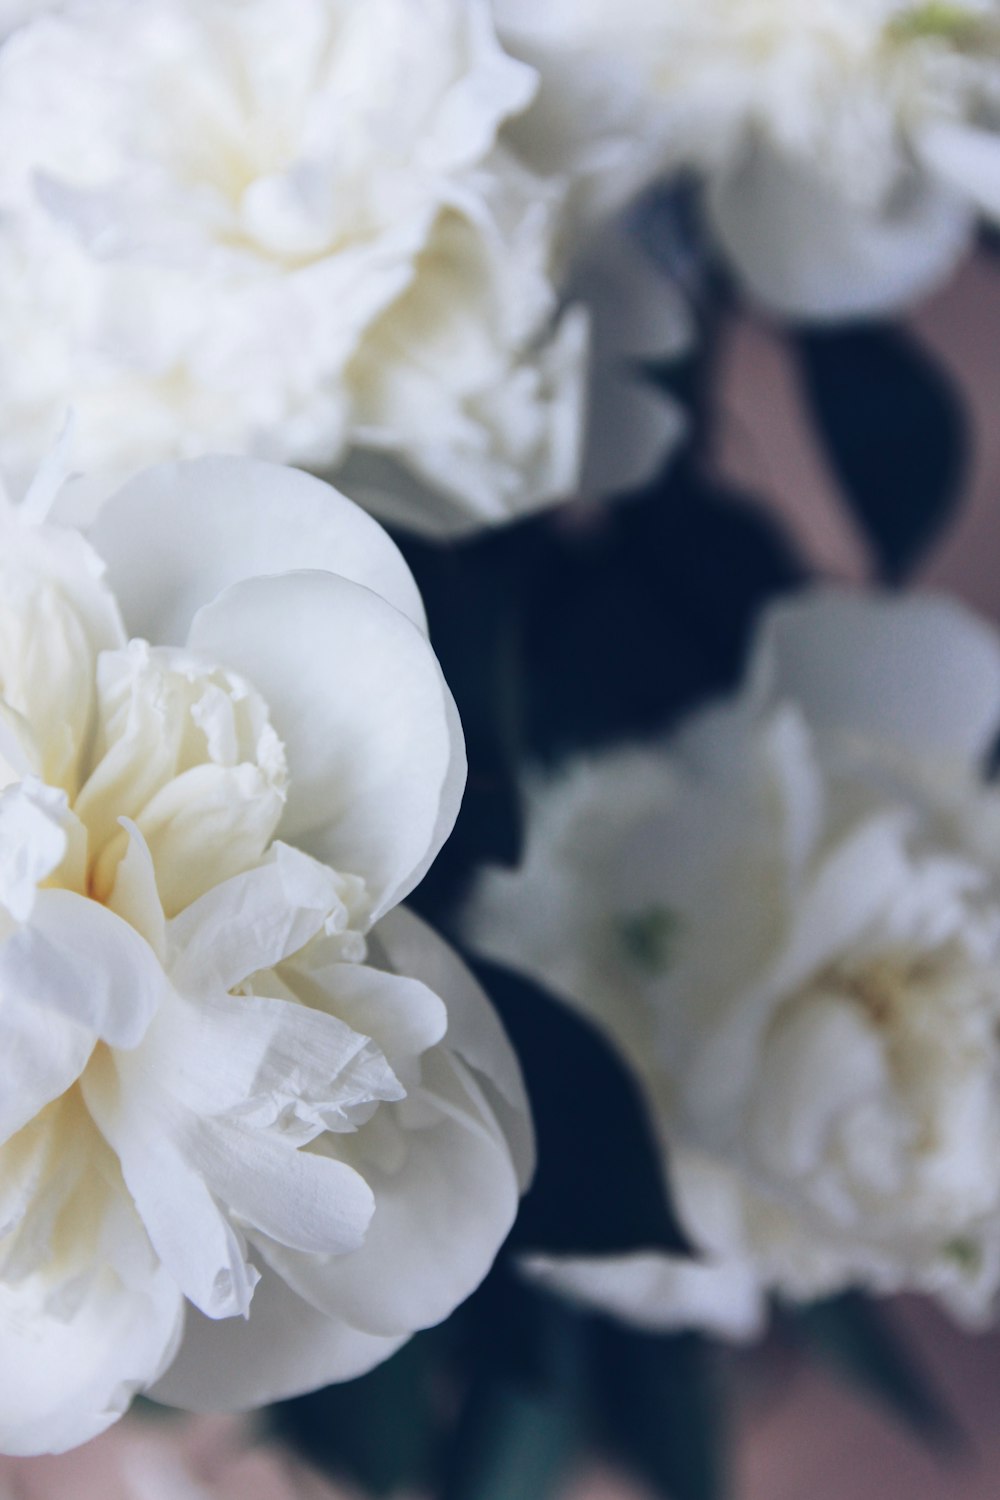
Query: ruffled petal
[
  {"x": 375, "y": 749},
  {"x": 446, "y": 1194},
  {"x": 251, "y": 921},
  {"x": 178, "y": 534},
  {"x": 920, "y": 670}
]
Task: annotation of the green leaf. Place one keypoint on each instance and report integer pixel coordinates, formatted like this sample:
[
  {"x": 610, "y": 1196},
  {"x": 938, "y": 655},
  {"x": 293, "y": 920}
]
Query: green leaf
[
  {"x": 895, "y": 431},
  {"x": 599, "y": 1188},
  {"x": 523, "y": 1419},
  {"x": 517, "y": 1443},
  {"x": 663, "y": 1412},
  {"x": 854, "y": 1337}
]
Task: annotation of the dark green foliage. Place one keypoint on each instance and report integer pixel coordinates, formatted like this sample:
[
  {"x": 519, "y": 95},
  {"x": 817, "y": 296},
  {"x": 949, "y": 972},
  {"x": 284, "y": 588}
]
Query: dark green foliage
[{"x": 895, "y": 433}]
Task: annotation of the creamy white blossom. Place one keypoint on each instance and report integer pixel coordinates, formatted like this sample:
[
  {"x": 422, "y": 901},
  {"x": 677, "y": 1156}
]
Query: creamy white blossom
[
  {"x": 285, "y": 228},
  {"x": 256, "y": 1125},
  {"x": 846, "y": 146},
  {"x": 788, "y": 918}
]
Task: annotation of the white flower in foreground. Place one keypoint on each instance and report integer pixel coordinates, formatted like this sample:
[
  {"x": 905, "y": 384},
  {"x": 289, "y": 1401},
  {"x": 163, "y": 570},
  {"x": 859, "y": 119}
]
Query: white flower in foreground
[
  {"x": 285, "y": 228},
  {"x": 250, "y": 1140},
  {"x": 788, "y": 918},
  {"x": 846, "y": 146}
]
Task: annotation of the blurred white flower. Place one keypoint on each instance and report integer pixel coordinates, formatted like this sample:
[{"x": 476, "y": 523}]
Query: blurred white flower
[
  {"x": 846, "y": 146},
  {"x": 285, "y": 228},
  {"x": 788, "y": 919},
  {"x": 235, "y": 1115}
]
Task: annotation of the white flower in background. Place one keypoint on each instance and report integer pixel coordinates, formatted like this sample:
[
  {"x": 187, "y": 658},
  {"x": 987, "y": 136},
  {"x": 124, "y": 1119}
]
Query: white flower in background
[
  {"x": 788, "y": 919},
  {"x": 846, "y": 146},
  {"x": 249, "y": 1141},
  {"x": 285, "y": 228},
  {"x": 14, "y": 13}
]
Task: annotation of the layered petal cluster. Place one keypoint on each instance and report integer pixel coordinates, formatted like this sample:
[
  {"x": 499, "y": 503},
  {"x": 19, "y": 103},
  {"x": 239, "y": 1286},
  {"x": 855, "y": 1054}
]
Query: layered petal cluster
[
  {"x": 285, "y": 228},
  {"x": 788, "y": 919},
  {"x": 256, "y": 1125},
  {"x": 846, "y": 147}
]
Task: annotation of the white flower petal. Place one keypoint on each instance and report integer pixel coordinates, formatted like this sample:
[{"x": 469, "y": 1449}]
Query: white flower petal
[
  {"x": 967, "y": 157},
  {"x": 474, "y": 1028},
  {"x": 79, "y": 960},
  {"x": 285, "y": 1348},
  {"x": 445, "y": 1188},
  {"x": 803, "y": 250},
  {"x": 178, "y": 534},
  {"x": 66, "y": 1378},
  {"x": 43, "y": 1054},
  {"x": 134, "y": 896},
  {"x": 251, "y": 921},
  {"x": 658, "y": 1293},
  {"x": 375, "y": 750},
  {"x": 401, "y": 1015},
  {"x": 267, "y": 1064},
  {"x": 919, "y": 669},
  {"x": 34, "y": 839},
  {"x": 199, "y": 1248},
  {"x": 297, "y": 1198}
]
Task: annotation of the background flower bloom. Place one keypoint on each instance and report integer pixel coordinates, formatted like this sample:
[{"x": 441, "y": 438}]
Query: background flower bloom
[
  {"x": 846, "y": 147},
  {"x": 286, "y": 230},
  {"x": 788, "y": 918},
  {"x": 237, "y": 1107}
]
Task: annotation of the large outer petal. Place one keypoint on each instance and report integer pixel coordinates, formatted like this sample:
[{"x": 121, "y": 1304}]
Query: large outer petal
[
  {"x": 286, "y": 1347},
  {"x": 474, "y": 1028},
  {"x": 920, "y": 670},
  {"x": 180, "y": 533},
  {"x": 803, "y": 250},
  {"x": 374, "y": 744}
]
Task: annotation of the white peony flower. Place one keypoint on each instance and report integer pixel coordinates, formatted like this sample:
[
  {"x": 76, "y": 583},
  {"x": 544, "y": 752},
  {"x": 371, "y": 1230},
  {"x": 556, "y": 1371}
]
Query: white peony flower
[
  {"x": 788, "y": 919},
  {"x": 846, "y": 146},
  {"x": 285, "y": 228},
  {"x": 256, "y": 1126}
]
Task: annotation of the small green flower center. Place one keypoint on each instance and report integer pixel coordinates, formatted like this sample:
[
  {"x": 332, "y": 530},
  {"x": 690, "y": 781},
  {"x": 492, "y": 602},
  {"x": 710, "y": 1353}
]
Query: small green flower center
[{"x": 648, "y": 938}]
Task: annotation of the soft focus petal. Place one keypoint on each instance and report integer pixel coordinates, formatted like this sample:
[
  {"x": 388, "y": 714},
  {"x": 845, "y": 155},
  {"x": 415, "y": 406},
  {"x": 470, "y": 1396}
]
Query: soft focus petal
[
  {"x": 803, "y": 250},
  {"x": 921, "y": 669},
  {"x": 967, "y": 157},
  {"x": 178, "y": 534},
  {"x": 375, "y": 750},
  {"x": 658, "y": 1293}
]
